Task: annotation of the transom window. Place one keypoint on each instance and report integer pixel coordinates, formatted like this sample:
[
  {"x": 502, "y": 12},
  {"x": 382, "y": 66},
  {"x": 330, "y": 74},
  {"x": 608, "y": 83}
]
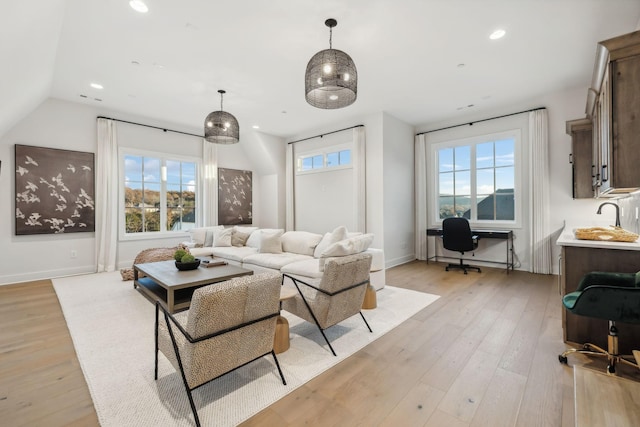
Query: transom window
[
  {"x": 331, "y": 158},
  {"x": 159, "y": 194},
  {"x": 477, "y": 180}
]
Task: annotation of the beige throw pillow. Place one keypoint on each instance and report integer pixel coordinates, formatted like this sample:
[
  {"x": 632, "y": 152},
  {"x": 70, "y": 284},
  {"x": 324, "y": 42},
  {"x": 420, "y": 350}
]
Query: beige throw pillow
[
  {"x": 239, "y": 238},
  {"x": 271, "y": 242},
  {"x": 222, "y": 238}
]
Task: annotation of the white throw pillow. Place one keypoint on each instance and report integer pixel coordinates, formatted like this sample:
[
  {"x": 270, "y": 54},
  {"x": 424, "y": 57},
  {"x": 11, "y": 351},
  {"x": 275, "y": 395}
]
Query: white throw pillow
[
  {"x": 271, "y": 242},
  {"x": 340, "y": 233},
  {"x": 353, "y": 245},
  {"x": 254, "y": 240},
  {"x": 222, "y": 238},
  {"x": 199, "y": 234},
  {"x": 300, "y": 242}
]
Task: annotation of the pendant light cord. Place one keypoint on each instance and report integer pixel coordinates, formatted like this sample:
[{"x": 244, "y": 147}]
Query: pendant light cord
[{"x": 330, "y": 37}]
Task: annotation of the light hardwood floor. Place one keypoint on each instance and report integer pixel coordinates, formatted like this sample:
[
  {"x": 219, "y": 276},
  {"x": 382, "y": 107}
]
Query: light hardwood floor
[{"x": 484, "y": 354}]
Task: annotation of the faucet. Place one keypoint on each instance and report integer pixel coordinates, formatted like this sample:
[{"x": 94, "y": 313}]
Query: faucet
[{"x": 617, "y": 211}]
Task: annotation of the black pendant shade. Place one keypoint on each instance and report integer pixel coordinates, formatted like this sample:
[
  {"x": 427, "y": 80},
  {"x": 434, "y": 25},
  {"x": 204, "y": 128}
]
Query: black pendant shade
[
  {"x": 331, "y": 79},
  {"x": 221, "y": 127}
]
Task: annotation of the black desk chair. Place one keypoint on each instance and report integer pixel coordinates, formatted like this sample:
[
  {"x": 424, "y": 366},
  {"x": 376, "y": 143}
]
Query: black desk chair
[
  {"x": 457, "y": 236},
  {"x": 610, "y": 296}
]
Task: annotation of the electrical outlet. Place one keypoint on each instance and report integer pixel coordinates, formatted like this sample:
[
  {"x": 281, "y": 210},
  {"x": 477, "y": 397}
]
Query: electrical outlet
[{"x": 74, "y": 254}]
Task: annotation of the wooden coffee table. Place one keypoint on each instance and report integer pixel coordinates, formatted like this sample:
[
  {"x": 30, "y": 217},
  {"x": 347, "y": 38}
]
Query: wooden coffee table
[{"x": 174, "y": 288}]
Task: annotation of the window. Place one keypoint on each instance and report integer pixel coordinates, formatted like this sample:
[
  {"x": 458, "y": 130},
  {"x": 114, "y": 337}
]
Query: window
[
  {"x": 159, "y": 194},
  {"x": 331, "y": 158},
  {"x": 477, "y": 179}
]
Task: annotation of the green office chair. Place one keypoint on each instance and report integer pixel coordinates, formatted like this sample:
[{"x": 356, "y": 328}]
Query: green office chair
[{"x": 611, "y": 296}]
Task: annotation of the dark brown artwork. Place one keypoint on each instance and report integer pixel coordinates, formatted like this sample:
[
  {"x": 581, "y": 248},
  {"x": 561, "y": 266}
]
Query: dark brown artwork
[
  {"x": 234, "y": 197},
  {"x": 54, "y": 191}
]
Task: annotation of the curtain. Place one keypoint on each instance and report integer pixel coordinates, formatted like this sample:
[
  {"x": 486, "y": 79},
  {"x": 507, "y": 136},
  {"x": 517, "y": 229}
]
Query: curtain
[
  {"x": 421, "y": 220},
  {"x": 541, "y": 261},
  {"x": 290, "y": 221},
  {"x": 359, "y": 179},
  {"x": 209, "y": 195},
  {"x": 107, "y": 183}
]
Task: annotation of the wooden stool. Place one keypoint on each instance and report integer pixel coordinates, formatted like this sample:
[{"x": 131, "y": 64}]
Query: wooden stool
[
  {"x": 281, "y": 337},
  {"x": 370, "y": 300}
]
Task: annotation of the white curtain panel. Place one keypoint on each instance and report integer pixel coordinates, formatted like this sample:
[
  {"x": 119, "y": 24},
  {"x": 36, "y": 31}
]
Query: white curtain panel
[
  {"x": 541, "y": 261},
  {"x": 360, "y": 179},
  {"x": 107, "y": 183},
  {"x": 209, "y": 175},
  {"x": 422, "y": 220},
  {"x": 290, "y": 224}
]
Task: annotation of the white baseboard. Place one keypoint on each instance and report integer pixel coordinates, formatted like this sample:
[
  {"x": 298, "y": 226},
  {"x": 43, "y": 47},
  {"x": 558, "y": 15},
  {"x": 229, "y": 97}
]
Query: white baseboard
[{"x": 46, "y": 274}]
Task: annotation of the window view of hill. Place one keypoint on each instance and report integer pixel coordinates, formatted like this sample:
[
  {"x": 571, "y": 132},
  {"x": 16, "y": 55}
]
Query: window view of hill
[{"x": 142, "y": 209}]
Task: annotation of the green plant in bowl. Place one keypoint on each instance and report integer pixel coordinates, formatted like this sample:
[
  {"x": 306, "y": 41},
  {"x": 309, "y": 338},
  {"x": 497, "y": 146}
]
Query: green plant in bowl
[
  {"x": 179, "y": 254},
  {"x": 188, "y": 258}
]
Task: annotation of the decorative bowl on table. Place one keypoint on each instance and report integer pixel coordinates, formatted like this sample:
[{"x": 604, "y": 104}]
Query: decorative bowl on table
[{"x": 191, "y": 265}]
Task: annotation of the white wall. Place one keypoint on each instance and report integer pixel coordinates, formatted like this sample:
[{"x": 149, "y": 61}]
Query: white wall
[
  {"x": 561, "y": 106},
  {"x": 72, "y": 126},
  {"x": 398, "y": 185}
]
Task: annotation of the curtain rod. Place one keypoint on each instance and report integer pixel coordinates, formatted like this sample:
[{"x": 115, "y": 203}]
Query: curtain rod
[
  {"x": 483, "y": 120},
  {"x": 324, "y": 134},
  {"x": 149, "y": 126}
]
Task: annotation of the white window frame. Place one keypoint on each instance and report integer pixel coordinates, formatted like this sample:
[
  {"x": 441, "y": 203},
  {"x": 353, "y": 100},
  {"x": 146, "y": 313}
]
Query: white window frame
[
  {"x": 514, "y": 134},
  {"x": 324, "y": 151},
  {"x": 164, "y": 157}
]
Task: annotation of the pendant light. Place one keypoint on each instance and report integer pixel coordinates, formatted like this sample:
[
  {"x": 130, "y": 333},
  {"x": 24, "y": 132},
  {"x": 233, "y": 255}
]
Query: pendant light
[
  {"x": 221, "y": 127},
  {"x": 331, "y": 80}
]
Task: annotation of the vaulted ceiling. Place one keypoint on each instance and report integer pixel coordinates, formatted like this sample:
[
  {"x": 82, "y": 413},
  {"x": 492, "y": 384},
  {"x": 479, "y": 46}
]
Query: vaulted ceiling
[{"x": 418, "y": 60}]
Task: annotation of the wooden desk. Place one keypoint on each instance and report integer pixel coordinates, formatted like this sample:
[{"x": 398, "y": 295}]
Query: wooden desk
[{"x": 506, "y": 235}]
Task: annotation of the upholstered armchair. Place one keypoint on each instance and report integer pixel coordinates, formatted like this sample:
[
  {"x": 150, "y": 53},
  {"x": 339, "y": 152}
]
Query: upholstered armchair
[
  {"x": 337, "y": 296},
  {"x": 228, "y": 325}
]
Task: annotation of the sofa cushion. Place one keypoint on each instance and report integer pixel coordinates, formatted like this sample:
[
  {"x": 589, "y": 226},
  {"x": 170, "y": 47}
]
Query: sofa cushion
[
  {"x": 271, "y": 242},
  {"x": 353, "y": 245},
  {"x": 300, "y": 242},
  {"x": 238, "y": 238},
  {"x": 306, "y": 268},
  {"x": 222, "y": 238},
  {"x": 199, "y": 234},
  {"x": 339, "y": 233},
  {"x": 234, "y": 253},
  {"x": 275, "y": 261},
  {"x": 244, "y": 229},
  {"x": 254, "y": 239}
]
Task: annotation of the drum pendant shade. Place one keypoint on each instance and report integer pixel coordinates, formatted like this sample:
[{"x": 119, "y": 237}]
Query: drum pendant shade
[
  {"x": 331, "y": 79},
  {"x": 221, "y": 127}
]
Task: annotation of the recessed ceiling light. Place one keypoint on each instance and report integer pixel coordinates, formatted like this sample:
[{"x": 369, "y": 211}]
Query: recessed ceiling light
[
  {"x": 256, "y": 127},
  {"x": 96, "y": 86},
  {"x": 461, "y": 65},
  {"x": 138, "y": 6},
  {"x": 497, "y": 34}
]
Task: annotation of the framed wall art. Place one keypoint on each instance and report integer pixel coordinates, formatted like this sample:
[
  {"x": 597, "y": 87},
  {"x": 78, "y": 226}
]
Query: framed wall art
[
  {"x": 234, "y": 197},
  {"x": 54, "y": 191}
]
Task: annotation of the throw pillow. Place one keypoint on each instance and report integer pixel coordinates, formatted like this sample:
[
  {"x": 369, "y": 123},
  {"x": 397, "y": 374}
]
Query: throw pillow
[
  {"x": 340, "y": 233},
  {"x": 271, "y": 242},
  {"x": 353, "y": 245},
  {"x": 239, "y": 238},
  {"x": 208, "y": 239},
  {"x": 222, "y": 238}
]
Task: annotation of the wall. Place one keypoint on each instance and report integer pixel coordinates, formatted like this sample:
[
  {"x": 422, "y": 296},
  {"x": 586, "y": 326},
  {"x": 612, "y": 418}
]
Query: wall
[
  {"x": 568, "y": 104},
  {"x": 323, "y": 199},
  {"x": 72, "y": 126},
  {"x": 398, "y": 184}
]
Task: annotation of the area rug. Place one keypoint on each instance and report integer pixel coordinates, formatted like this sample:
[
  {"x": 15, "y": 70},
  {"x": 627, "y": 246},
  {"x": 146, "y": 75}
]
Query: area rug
[{"x": 111, "y": 325}]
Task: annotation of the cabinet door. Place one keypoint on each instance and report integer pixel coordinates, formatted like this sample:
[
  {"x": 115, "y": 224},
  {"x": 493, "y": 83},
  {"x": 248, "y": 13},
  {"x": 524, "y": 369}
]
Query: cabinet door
[
  {"x": 625, "y": 99},
  {"x": 602, "y": 139},
  {"x": 582, "y": 164}
]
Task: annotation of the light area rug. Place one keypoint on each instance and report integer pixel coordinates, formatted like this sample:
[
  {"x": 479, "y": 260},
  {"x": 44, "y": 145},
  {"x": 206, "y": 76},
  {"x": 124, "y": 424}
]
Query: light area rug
[{"x": 112, "y": 327}]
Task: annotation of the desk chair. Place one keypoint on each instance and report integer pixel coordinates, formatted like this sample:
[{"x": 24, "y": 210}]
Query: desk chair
[
  {"x": 609, "y": 296},
  {"x": 457, "y": 236}
]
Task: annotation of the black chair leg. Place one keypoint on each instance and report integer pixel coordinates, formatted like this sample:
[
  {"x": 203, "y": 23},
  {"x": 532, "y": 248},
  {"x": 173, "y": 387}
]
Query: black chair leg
[
  {"x": 463, "y": 267},
  {"x": 365, "y": 322},
  {"x": 273, "y": 353}
]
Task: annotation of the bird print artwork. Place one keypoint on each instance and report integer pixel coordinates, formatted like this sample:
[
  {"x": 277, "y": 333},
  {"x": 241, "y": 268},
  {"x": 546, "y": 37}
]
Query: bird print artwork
[
  {"x": 234, "y": 196},
  {"x": 55, "y": 191}
]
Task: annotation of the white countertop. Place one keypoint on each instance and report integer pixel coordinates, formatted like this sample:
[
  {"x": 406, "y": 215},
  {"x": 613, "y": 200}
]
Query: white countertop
[{"x": 567, "y": 238}]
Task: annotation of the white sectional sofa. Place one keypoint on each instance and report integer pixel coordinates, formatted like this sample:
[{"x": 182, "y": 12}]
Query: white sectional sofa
[{"x": 298, "y": 253}]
